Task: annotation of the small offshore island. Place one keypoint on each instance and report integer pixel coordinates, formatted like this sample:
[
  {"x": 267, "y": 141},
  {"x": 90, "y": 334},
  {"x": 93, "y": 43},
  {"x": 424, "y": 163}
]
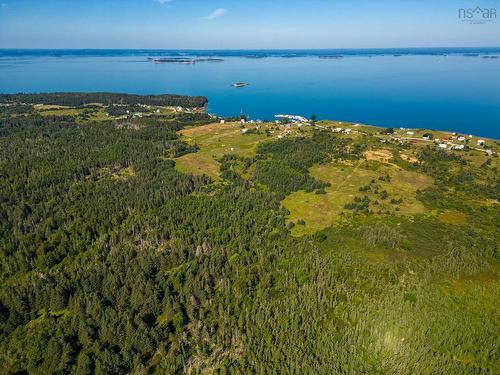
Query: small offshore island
[
  {"x": 239, "y": 85},
  {"x": 141, "y": 234}
]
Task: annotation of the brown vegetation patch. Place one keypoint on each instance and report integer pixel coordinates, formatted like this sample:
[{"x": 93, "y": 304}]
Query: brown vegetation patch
[
  {"x": 383, "y": 156},
  {"x": 453, "y": 217},
  {"x": 409, "y": 158}
]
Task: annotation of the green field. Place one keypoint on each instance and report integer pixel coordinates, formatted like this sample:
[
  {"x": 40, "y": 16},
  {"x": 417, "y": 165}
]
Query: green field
[
  {"x": 320, "y": 211},
  {"x": 216, "y": 140}
]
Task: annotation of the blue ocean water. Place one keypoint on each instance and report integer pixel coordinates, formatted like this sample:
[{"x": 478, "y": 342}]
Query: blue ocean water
[{"x": 446, "y": 89}]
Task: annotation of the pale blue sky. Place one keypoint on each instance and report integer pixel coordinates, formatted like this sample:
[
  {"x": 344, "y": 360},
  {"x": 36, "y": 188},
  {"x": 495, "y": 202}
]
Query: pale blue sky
[{"x": 219, "y": 24}]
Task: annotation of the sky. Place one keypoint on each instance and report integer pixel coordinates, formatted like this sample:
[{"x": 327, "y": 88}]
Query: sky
[{"x": 243, "y": 24}]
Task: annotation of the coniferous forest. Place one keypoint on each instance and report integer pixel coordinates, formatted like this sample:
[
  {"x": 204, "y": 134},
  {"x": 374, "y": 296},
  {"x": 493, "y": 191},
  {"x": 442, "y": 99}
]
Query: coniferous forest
[{"x": 112, "y": 261}]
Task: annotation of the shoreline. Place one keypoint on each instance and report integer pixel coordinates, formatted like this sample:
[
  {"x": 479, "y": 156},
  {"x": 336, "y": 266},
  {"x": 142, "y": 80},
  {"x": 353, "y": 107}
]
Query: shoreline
[{"x": 7, "y": 99}]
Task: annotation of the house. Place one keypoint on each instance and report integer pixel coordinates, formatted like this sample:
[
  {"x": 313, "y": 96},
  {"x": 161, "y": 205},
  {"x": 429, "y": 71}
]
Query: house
[
  {"x": 461, "y": 139},
  {"x": 222, "y": 121},
  {"x": 348, "y": 131},
  {"x": 443, "y": 145},
  {"x": 489, "y": 152},
  {"x": 244, "y": 131},
  {"x": 337, "y": 130},
  {"x": 481, "y": 142},
  {"x": 458, "y": 147},
  {"x": 410, "y": 133}
]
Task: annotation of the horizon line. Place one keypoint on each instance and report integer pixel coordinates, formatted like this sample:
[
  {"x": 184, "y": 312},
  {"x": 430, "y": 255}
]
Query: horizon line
[{"x": 237, "y": 49}]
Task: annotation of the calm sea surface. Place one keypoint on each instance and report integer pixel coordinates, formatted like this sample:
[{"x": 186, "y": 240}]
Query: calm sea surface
[{"x": 445, "y": 89}]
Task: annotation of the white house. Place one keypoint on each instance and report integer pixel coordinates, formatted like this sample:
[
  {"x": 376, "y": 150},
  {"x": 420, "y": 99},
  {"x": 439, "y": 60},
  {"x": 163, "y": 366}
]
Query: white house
[
  {"x": 481, "y": 142},
  {"x": 458, "y": 147},
  {"x": 461, "y": 139},
  {"x": 443, "y": 145},
  {"x": 222, "y": 121},
  {"x": 410, "y": 133},
  {"x": 244, "y": 131}
]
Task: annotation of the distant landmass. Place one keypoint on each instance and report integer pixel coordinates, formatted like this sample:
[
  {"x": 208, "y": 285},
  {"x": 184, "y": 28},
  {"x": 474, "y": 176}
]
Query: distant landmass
[{"x": 254, "y": 53}]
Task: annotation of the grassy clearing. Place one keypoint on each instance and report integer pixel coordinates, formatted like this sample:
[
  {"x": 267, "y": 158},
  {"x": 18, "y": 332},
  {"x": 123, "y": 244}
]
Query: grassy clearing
[
  {"x": 116, "y": 173},
  {"x": 62, "y": 112},
  {"x": 383, "y": 156},
  {"x": 214, "y": 141},
  {"x": 42, "y": 107},
  {"x": 453, "y": 217},
  {"x": 320, "y": 211},
  {"x": 122, "y": 174}
]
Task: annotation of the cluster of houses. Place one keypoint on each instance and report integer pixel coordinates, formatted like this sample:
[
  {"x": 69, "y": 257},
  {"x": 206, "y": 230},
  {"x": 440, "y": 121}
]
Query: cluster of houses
[
  {"x": 293, "y": 119},
  {"x": 448, "y": 142},
  {"x": 136, "y": 114}
]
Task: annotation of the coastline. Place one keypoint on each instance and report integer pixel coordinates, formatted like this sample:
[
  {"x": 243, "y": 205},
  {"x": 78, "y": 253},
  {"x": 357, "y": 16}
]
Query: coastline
[{"x": 352, "y": 88}]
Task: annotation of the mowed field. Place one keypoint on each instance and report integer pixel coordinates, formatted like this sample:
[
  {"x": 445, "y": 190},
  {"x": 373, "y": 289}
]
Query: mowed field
[
  {"x": 214, "y": 141},
  {"x": 320, "y": 211}
]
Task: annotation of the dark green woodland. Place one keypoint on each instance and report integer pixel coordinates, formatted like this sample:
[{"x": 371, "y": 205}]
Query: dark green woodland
[{"x": 114, "y": 262}]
